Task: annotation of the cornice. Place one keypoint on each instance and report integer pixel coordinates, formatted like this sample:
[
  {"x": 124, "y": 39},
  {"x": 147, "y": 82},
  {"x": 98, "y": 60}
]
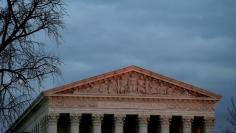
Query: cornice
[{"x": 134, "y": 98}]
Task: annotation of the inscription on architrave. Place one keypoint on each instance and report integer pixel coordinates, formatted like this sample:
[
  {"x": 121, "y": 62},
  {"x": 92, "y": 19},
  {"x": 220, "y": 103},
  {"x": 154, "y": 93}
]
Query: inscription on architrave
[
  {"x": 170, "y": 105},
  {"x": 133, "y": 83}
]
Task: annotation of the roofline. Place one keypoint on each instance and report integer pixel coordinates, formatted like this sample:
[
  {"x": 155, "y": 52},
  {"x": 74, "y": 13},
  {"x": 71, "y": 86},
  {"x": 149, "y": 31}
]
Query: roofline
[
  {"x": 183, "y": 84},
  {"x": 137, "y": 69}
]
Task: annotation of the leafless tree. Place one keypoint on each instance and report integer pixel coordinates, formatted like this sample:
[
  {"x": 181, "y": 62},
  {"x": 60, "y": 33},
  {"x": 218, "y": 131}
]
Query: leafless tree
[
  {"x": 232, "y": 115},
  {"x": 24, "y": 63}
]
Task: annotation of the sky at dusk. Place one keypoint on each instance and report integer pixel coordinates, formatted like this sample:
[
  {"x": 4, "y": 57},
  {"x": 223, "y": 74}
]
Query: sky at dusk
[{"x": 193, "y": 41}]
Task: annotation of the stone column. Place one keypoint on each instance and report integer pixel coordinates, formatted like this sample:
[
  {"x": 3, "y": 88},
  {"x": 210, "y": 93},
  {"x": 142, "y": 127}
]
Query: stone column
[
  {"x": 74, "y": 122},
  {"x": 209, "y": 124},
  {"x": 143, "y": 123},
  {"x": 187, "y": 124},
  {"x": 52, "y": 122},
  {"x": 42, "y": 125},
  {"x": 165, "y": 123},
  {"x": 119, "y": 123},
  {"x": 97, "y": 123}
]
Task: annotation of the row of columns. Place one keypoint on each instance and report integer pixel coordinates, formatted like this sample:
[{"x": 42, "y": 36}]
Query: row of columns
[{"x": 119, "y": 123}]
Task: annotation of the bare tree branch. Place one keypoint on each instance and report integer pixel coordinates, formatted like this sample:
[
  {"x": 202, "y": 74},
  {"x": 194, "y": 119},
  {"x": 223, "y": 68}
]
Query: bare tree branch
[
  {"x": 24, "y": 63},
  {"x": 231, "y": 118}
]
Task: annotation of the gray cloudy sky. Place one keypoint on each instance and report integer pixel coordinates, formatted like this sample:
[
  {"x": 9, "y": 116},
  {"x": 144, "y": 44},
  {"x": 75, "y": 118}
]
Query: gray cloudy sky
[{"x": 190, "y": 40}]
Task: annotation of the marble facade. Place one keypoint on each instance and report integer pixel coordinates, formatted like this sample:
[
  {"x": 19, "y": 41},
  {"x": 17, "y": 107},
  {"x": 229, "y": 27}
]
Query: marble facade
[{"x": 130, "y": 91}]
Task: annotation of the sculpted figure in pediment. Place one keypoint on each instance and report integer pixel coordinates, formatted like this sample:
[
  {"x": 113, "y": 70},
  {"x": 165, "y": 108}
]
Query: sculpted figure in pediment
[
  {"x": 132, "y": 84},
  {"x": 113, "y": 87},
  {"x": 123, "y": 85},
  {"x": 154, "y": 88},
  {"x": 141, "y": 85},
  {"x": 103, "y": 87}
]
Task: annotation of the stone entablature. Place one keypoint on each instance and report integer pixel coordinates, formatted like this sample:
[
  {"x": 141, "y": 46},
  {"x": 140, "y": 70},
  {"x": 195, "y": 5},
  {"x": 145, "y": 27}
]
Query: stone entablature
[{"x": 132, "y": 103}]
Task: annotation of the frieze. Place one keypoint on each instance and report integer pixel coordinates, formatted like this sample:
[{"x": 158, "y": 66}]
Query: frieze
[
  {"x": 106, "y": 104},
  {"x": 132, "y": 83}
]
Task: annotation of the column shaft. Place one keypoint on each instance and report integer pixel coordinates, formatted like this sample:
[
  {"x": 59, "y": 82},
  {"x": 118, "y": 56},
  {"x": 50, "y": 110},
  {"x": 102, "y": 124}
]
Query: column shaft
[
  {"x": 119, "y": 123},
  {"x": 165, "y": 124},
  {"x": 52, "y": 123},
  {"x": 143, "y": 123},
  {"x": 74, "y": 122},
  {"x": 209, "y": 124},
  {"x": 42, "y": 125},
  {"x": 187, "y": 124},
  {"x": 97, "y": 123}
]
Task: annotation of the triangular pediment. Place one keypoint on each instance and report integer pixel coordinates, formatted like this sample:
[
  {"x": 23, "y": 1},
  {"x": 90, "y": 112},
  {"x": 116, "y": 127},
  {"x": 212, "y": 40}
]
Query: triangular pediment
[{"x": 132, "y": 81}]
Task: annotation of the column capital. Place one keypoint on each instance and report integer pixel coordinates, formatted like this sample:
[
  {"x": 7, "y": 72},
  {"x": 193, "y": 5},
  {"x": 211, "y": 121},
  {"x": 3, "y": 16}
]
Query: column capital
[
  {"x": 75, "y": 118},
  {"x": 143, "y": 119},
  {"x": 52, "y": 117},
  {"x": 165, "y": 120},
  {"x": 119, "y": 119},
  {"x": 119, "y": 122},
  {"x": 52, "y": 122},
  {"x": 97, "y": 118},
  {"x": 97, "y": 123},
  {"x": 187, "y": 121}
]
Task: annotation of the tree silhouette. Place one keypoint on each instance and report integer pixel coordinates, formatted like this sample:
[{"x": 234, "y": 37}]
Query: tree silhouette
[
  {"x": 24, "y": 63},
  {"x": 232, "y": 115}
]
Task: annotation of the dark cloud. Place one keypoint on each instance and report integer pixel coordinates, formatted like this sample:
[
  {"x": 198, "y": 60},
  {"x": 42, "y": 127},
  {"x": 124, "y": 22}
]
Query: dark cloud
[{"x": 192, "y": 41}]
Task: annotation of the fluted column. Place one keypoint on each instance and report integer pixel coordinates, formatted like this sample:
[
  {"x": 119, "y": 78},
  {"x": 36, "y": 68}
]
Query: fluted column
[
  {"x": 52, "y": 122},
  {"x": 143, "y": 123},
  {"x": 119, "y": 123},
  {"x": 187, "y": 124},
  {"x": 74, "y": 122},
  {"x": 165, "y": 124},
  {"x": 41, "y": 126},
  {"x": 97, "y": 123},
  {"x": 209, "y": 124}
]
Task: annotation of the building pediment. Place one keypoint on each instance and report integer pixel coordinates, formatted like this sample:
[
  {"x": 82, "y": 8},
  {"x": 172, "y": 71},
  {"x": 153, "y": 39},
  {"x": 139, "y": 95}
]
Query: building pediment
[{"x": 132, "y": 81}]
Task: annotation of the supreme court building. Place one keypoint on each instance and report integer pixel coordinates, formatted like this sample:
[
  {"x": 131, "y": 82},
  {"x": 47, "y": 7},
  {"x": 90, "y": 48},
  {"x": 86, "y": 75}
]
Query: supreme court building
[{"x": 128, "y": 100}]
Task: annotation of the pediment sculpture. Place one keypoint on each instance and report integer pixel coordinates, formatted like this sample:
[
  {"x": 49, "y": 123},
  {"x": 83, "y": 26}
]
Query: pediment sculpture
[{"x": 132, "y": 84}]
